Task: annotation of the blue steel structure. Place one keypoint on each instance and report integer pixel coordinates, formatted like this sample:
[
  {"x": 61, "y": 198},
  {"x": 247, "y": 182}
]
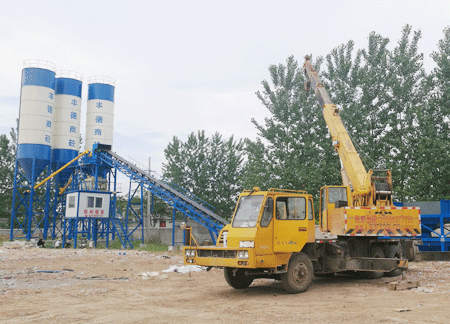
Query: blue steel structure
[
  {"x": 104, "y": 164},
  {"x": 434, "y": 226},
  {"x": 30, "y": 207},
  {"x": 132, "y": 226},
  {"x": 92, "y": 176},
  {"x": 48, "y": 139},
  {"x": 186, "y": 204},
  {"x": 91, "y": 228}
]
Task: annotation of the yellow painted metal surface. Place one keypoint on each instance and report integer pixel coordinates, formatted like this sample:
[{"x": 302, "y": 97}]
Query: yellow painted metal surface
[
  {"x": 290, "y": 235},
  {"x": 272, "y": 260},
  {"x": 59, "y": 170},
  {"x": 311, "y": 222},
  {"x": 375, "y": 221},
  {"x": 254, "y": 261},
  {"x": 273, "y": 244},
  {"x": 264, "y": 240},
  {"x": 354, "y": 168},
  {"x": 222, "y": 262},
  {"x": 235, "y": 235}
]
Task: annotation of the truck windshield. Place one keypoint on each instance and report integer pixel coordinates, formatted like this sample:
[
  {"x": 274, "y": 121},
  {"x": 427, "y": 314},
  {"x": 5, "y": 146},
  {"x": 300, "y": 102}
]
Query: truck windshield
[{"x": 247, "y": 211}]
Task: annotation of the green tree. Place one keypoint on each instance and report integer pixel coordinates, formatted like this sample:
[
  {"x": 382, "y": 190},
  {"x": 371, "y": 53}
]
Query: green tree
[
  {"x": 357, "y": 86},
  {"x": 13, "y": 135},
  {"x": 6, "y": 176},
  {"x": 380, "y": 93},
  {"x": 294, "y": 150},
  {"x": 209, "y": 168},
  {"x": 257, "y": 168},
  {"x": 406, "y": 96},
  {"x": 432, "y": 156}
]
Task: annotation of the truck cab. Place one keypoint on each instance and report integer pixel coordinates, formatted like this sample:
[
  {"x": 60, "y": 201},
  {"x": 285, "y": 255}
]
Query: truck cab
[{"x": 266, "y": 229}]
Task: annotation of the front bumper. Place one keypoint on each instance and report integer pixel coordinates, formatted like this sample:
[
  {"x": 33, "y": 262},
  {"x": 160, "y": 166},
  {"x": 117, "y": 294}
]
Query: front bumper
[{"x": 220, "y": 257}]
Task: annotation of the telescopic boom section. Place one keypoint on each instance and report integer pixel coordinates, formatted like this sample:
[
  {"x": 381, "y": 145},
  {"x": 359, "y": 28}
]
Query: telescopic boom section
[{"x": 353, "y": 167}]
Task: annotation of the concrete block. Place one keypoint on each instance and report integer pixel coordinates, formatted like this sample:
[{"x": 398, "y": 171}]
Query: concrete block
[{"x": 403, "y": 285}]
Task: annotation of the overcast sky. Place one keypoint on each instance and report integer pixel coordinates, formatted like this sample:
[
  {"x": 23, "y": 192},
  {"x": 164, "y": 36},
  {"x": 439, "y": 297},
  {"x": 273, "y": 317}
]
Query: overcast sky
[{"x": 184, "y": 66}]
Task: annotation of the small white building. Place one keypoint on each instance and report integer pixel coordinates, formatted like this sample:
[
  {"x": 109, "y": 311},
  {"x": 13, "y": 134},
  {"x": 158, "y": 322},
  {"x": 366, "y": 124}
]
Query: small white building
[{"x": 88, "y": 204}]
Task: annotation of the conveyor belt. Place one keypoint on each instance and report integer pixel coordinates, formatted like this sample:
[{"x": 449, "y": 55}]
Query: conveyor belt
[{"x": 178, "y": 200}]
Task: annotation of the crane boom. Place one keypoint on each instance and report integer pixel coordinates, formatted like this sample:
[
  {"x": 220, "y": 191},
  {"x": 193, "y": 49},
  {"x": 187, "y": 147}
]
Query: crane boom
[{"x": 364, "y": 189}]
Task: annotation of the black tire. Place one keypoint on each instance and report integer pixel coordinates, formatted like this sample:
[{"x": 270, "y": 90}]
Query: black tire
[
  {"x": 376, "y": 252},
  {"x": 393, "y": 252},
  {"x": 299, "y": 274},
  {"x": 237, "y": 280}
]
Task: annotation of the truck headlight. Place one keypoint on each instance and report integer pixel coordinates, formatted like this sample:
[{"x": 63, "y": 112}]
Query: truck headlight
[
  {"x": 189, "y": 253},
  {"x": 247, "y": 244},
  {"x": 243, "y": 255}
]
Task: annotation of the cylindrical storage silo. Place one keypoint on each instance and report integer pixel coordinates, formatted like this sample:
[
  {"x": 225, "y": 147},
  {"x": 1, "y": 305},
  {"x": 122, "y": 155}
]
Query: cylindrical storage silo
[
  {"x": 67, "y": 115},
  {"x": 100, "y": 112},
  {"x": 36, "y": 117}
]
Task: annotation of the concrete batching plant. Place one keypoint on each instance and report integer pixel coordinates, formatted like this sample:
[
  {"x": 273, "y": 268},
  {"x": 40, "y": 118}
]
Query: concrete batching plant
[{"x": 67, "y": 193}]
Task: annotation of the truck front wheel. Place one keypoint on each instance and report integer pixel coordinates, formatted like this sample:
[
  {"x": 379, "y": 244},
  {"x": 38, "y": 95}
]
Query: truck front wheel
[
  {"x": 299, "y": 274},
  {"x": 237, "y": 279}
]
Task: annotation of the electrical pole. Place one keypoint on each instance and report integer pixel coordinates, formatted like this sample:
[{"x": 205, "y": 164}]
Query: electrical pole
[{"x": 149, "y": 202}]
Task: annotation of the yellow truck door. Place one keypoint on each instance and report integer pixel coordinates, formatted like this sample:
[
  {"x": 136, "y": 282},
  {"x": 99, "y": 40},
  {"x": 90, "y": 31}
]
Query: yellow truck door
[
  {"x": 291, "y": 224},
  {"x": 264, "y": 234},
  {"x": 311, "y": 222}
]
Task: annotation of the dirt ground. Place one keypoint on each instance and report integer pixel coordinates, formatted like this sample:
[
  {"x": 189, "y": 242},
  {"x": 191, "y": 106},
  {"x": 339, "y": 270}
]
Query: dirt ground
[{"x": 112, "y": 286}]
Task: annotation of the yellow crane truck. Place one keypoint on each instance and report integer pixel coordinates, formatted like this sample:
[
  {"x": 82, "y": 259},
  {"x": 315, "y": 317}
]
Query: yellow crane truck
[{"x": 273, "y": 234}]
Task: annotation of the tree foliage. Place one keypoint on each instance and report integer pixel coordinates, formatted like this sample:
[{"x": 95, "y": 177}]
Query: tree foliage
[
  {"x": 209, "y": 168},
  {"x": 294, "y": 148},
  {"x": 432, "y": 156},
  {"x": 397, "y": 116},
  {"x": 6, "y": 176}
]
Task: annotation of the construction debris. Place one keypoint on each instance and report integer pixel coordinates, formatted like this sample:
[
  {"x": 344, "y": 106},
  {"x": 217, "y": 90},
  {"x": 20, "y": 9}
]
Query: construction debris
[
  {"x": 137, "y": 279},
  {"x": 184, "y": 269},
  {"x": 403, "y": 285}
]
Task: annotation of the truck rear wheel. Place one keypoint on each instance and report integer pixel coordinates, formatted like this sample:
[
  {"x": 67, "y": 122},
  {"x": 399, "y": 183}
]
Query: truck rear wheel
[
  {"x": 299, "y": 274},
  {"x": 237, "y": 279},
  {"x": 393, "y": 252},
  {"x": 377, "y": 252}
]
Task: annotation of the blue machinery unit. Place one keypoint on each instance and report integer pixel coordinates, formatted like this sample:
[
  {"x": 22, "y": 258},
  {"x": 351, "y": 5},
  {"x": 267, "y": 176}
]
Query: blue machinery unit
[
  {"x": 97, "y": 173},
  {"x": 435, "y": 220},
  {"x": 436, "y": 229}
]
